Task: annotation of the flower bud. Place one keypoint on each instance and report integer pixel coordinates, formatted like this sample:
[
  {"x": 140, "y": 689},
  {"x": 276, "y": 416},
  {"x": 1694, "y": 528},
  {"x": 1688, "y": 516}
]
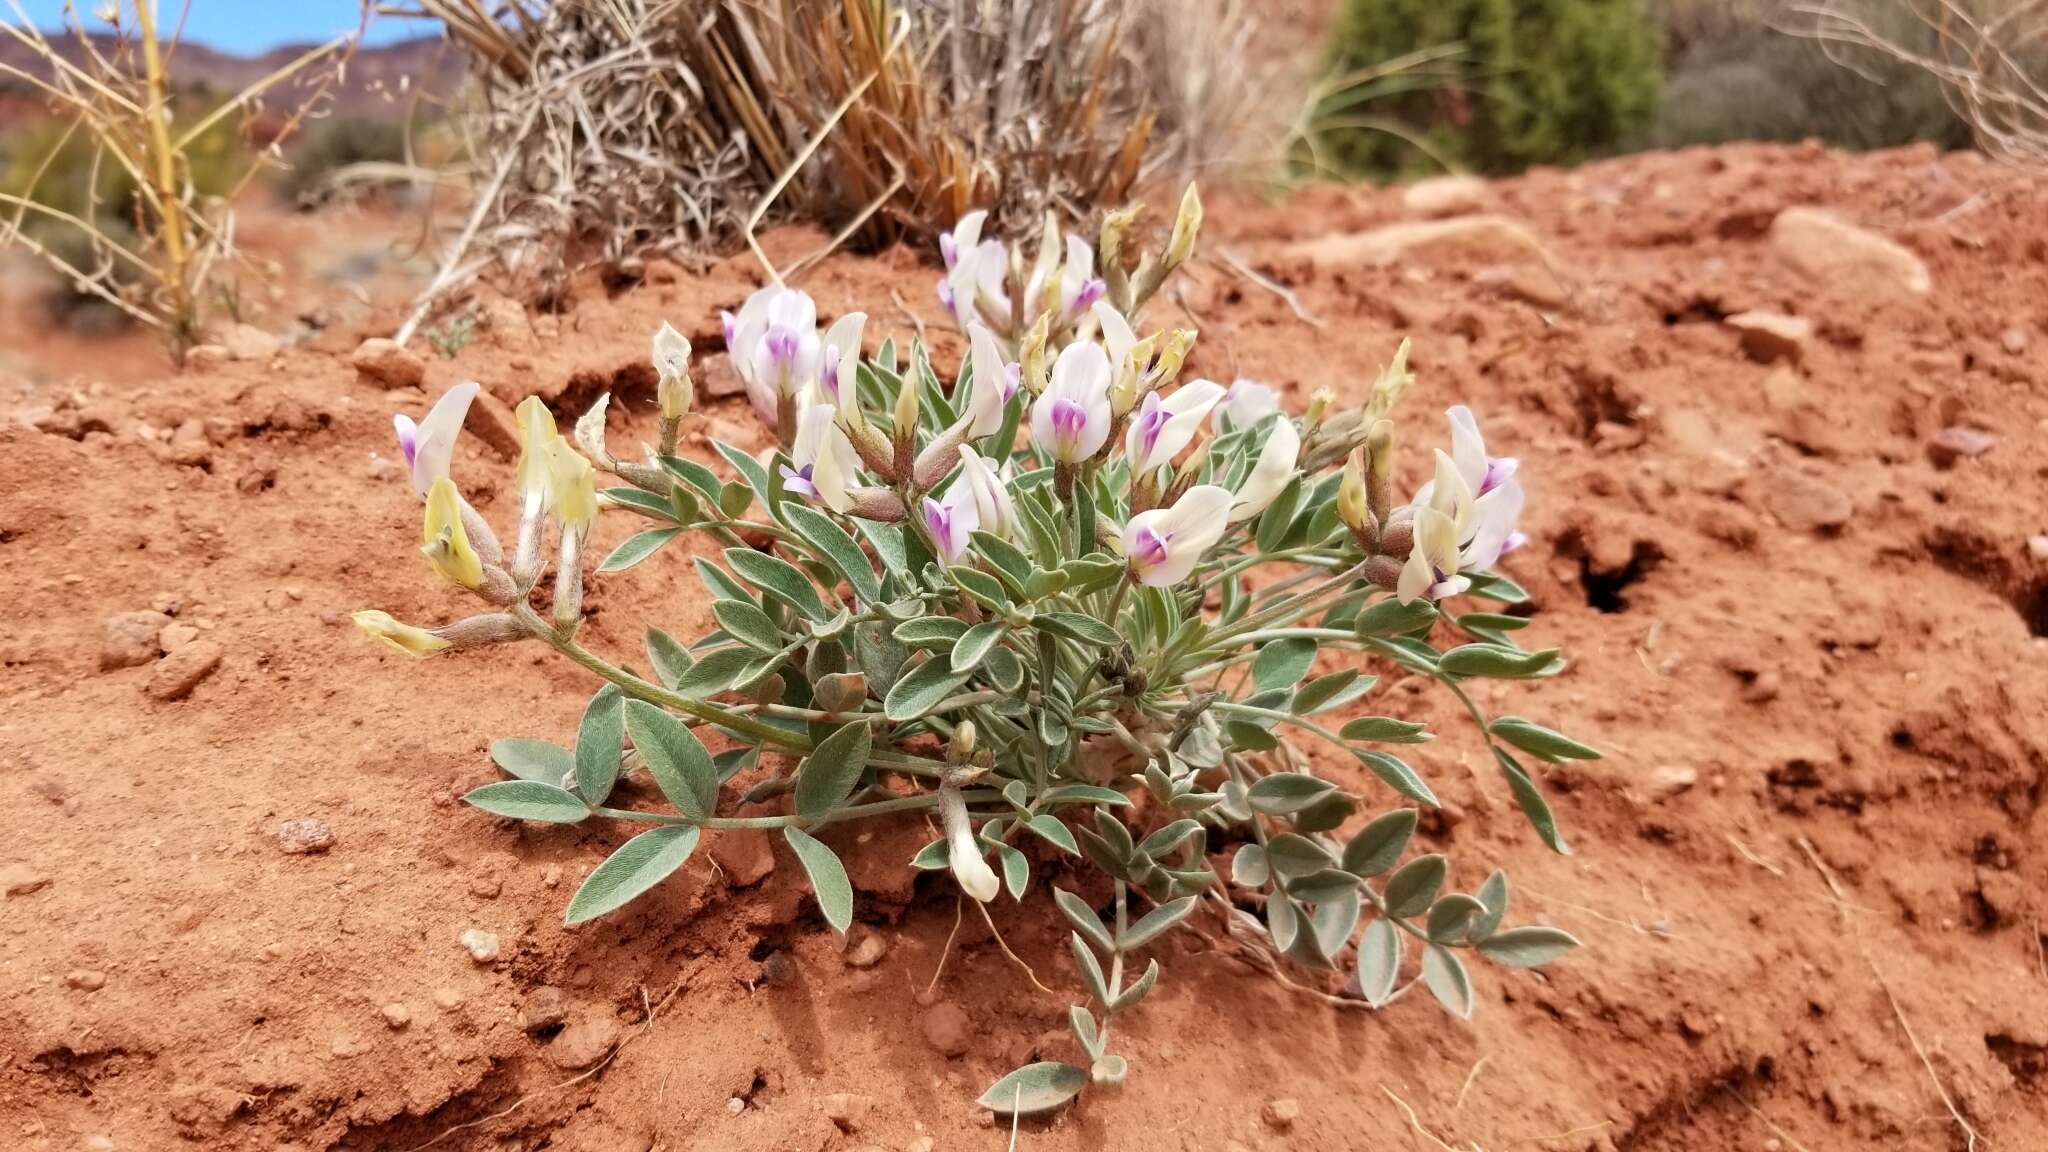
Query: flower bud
[
  {"x": 672, "y": 368},
  {"x": 444, "y": 540},
  {"x": 1128, "y": 387},
  {"x": 1319, "y": 403},
  {"x": 1110, "y": 246},
  {"x": 1185, "y": 227},
  {"x": 904, "y": 434},
  {"x": 1032, "y": 369},
  {"x": 482, "y": 631},
  {"x": 1353, "y": 505},
  {"x": 415, "y": 642},
  {"x": 961, "y": 749},
  {"x": 1393, "y": 380},
  {"x": 1379, "y": 445},
  {"x": 590, "y": 431}
]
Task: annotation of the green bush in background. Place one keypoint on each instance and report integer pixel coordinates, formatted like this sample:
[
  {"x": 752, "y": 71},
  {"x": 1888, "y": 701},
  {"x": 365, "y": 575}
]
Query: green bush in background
[
  {"x": 1540, "y": 81},
  {"x": 325, "y": 147}
]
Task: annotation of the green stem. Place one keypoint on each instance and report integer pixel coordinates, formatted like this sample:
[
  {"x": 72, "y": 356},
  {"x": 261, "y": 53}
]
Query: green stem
[{"x": 851, "y": 812}]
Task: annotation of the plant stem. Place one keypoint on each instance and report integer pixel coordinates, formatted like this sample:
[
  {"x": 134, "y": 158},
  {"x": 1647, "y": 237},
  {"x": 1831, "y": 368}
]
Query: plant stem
[
  {"x": 166, "y": 177},
  {"x": 851, "y": 812}
]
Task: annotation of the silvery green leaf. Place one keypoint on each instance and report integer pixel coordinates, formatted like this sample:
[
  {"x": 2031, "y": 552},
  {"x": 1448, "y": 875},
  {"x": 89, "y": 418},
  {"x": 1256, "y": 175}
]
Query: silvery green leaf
[
  {"x": 980, "y": 585},
  {"x": 1129, "y": 997},
  {"x": 1016, "y": 870},
  {"x": 1322, "y": 887},
  {"x": 1169, "y": 837},
  {"x": 1248, "y": 867},
  {"x": 1053, "y": 831},
  {"x": 931, "y": 632},
  {"x": 1003, "y": 670},
  {"x": 1246, "y": 736},
  {"x": 1011, "y": 565},
  {"x": 1493, "y": 894},
  {"x": 1074, "y": 626},
  {"x": 1448, "y": 982},
  {"x": 1379, "y": 844},
  {"x": 717, "y": 672},
  {"x": 824, "y": 534},
  {"x": 1154, "y": 922},
  {"x": 636, "y": 548},
  {"x": 1532, "y": 803},
  {"x": 780, "y": 579},
  {"x": 828, "y": 877},
  {"x": 1413, "y": 889},
  {"x": 1540, "y": 742},
  {"x": 747, "y": 624},
  {"x": 749, "y": 469},
  {"x": 1272, "y": 529},
  {"x": 529, "y": 800},
  {"x": 681, "y": 768},
  {"x": 1200, "y": 749},
  {"x": 1324, "y": 815},
  {"x": 1114, "y": 834},
  {"x": 933, "y": 857},
  {"x": 1385, "y": 730},
  {"x": 1282, "y": 663},
  {"x": 1493, "y": 586},
  {"x": 1379, "y": 961},
  {"x": 1082, "y": 794},
  {"x": 669, "y": 658},
  {"x": 975, "y": 644},
  {"x": 638, "y": 865},
  {"x": 1034, "y": 1088},
  {"x": 1045, "y": 583},
  {"x": 827, "y": 776},
  {"x": 1493, "y": 660},
  {"x": 1529, "y": 947},
  {"x": 832, "y": 628},
  {"x": 1492, "y": 627},
  {"x": 887, "y": 541},
  {"x": 534, "y": 760},
  {"x": 1290, "y": 855},
  {"x": 1090, "y": 573},
  {"x": 1390, "y": 617},
  {"x": 648, "y": 504},
  {"x": 1090, "y": 969},
  {"x": 600, "y": 739},
  {"x": 880, "y": 655},
  {"x": 1396, "y": 774},
  {"x": 733, "y": 761},
  {"x": 921, "y": 690},
  {"x": 1328, "y": 691},
  {"x": 722, "y": 586},
  {"x": 1333, "y": 922},
  {"x": 1410, "y": 653},
  {"x": 1283, "y": 922},
  {"x": 1451, "y": 918},
  {"x": 1085, "y": 1031},
  {"x": 1285, "y": 792},
  {"x": 1078, "y": 913}
]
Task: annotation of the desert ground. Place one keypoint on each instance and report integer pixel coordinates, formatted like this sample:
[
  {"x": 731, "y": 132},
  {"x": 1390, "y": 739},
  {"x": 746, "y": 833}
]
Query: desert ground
[{"x": 1798, "y": 562}]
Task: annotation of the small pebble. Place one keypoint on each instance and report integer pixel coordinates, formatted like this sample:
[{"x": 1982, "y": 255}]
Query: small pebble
[
  {"x": 482, "y": 945},
  {"x": 847, "y": 1110},
  {"x": 177, "y": 674},
  {"x": 1280, "y": 1115},
  {"x": 778, "y": 970},
  {"x": 485, "y": 887},
  {"x": 176, "y": 636},
  {"x": 866, "y": 949},
  {"x": 948, "y": 1030},
  {"x": 22, "y": 879},
  {"x": 348, "y": 1047},
  {"x": 397, "y": 1016},
  {"x": 584, "y": 1042},
  {"x": 2037, "y": 547},
  {"x": 551, "y": 876},
  {"x": 447, "y": 999},
  {"x": 304, "y": 836},
  {"x": 86, "y": 980},
  {"x": 185, "y": 917},
  {"x": 735, "y": 1106},
  {"x": 545, "y": 1007},
  {"x": 1672, "y": 779},
  {"x": 130, "y": 639}
]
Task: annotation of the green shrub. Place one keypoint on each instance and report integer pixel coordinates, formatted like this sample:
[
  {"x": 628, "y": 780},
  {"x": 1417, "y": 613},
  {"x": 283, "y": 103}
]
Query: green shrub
[
  {"x": 327, "y": 146},
  {"x": 1542, "y": 81}
]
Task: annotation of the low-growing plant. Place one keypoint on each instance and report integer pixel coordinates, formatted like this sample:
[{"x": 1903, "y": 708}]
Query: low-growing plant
[{"x": 1099, "y": 642}]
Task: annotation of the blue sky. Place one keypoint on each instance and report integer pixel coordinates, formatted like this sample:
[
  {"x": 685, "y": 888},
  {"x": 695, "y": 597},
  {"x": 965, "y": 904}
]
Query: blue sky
[{"x": 245, "y": 27}]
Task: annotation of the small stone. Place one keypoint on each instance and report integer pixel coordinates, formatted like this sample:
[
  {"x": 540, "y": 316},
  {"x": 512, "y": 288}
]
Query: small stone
[
  {"x": 1764, "y": 688},
  {"x": 22, "y": 879},
  {"x": 176, "y": 636},
  {"x": 397, "y": 1016},
  {"x": 348, "y": 1047},
  {"x": 61, "y": 421},
  {"x": 276, "y": 600},
  {"x": 185, "y": 917},
  {"x": 551, "y": 876},
  {"x": 865, "y": 949},
  {"x": 744, "y": 856},
  {"x": 584, "y": 1042},
  {"x": 734, "y": 1106},
  {"x": 485, "y": 887},
  {"x": 1847, "y": 259},
  {"x": 168, "y": 603},
  {"x": 2014, "y": 340},
  {"x": 1805, "y": 504},
  {"x": 128, "y": 639},
  {"x": 482, "y": 945},
  {"x": 1784, "y": 389},
  {"x": 1771, "y": 336},
  {"x": 304, "y": 836},
  {"x": 778, "y": 970},
  {"x": 206, "y": 357},
  {"x": 948, "y": 1030},
  {"x": 248, "y": 342},
  {"x": 1959, "y": 442},
  {"x": 384, "y": 362},
  {"x": 490, "y": 421},
  {"x": 2037, "y": 547},
  {"x": 848, "y": 1110},
  {"x": 1280, "y": 1115},
  {"x": 545, "y": 1007},
  {"x": 447, "y": 999},
  {"x": 178, "y": 673},
  {"x": 1440, "y": 196},
  {"x": 188, "y": 446},
  {"x": 86, "y": 980},
  {"x": 1672, "y": 779}
]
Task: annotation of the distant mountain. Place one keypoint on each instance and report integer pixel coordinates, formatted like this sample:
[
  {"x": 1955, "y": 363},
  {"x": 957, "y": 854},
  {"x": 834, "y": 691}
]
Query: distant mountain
[{"x": 378, "y": 81}]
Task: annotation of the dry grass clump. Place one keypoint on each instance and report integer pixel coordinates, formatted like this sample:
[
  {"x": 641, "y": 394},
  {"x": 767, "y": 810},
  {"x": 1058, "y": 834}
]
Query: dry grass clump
[
  {"x": 610, "y": 129},
  {"x": 143, "y": 234},
  {"x": 1991, "y": 57}
]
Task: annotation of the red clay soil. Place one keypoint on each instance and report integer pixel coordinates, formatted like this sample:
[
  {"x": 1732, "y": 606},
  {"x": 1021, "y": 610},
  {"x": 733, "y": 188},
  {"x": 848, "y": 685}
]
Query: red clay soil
[{"x": 1808, "y": 874}]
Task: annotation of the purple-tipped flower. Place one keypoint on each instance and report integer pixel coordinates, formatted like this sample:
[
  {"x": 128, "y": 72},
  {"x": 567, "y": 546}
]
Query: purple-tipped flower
[
  {"x": 1071, "y": 418},
  {"x": 1163, "y": 546},
  {"x": 1245, "y": 403},
  {"x": 951, "y": 520},
  {"x": 992, "y": 383},
  {"x": 774, "y": 346},
  {"x": 1480, "y": 493},
  {"x": 429, "y": 445},
  {"x": 1159, "y": 429}
]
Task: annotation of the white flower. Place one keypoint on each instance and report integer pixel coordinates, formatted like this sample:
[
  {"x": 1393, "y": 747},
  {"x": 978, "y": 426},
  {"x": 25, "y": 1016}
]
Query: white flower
[
  {"x": 1432, "y": 568},
  {"x": 1116, "y": 333},
  {"x": 429, "y": 446},
  {"x": 993, "y": 509},
  {"x": 964, "y": 850},
  {"x": 1488, "y": 499},
  {"x": 1159, "y": 429},
  {"x": 1164, "y": 545},
  {"x": 1071, "y": 418},
  {"x": 774, "y": 346},
  {"x": 992, "y": 384},
  {"x": 672, "y": 373},
  {"x": 839, "y": 361},
  {"x": 823, "y": 465},
  {"x": 952, "y": 519},
  {"x": 1245, "y": 403},
  {"x": 1270, "y": 475}
]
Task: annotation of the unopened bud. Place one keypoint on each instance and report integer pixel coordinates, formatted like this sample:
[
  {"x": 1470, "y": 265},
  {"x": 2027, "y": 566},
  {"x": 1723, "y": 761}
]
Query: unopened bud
[
  {"x": 1384, "y": 571},
  {"x": 1399, "y": 537},
  {"x": 1185, "y": 228},
  {"x": 1379, "y": 446},
  {"x": 1353, "y": 505},
  {"x": 904, "y": 434},
  {"x": 1128, "y": 389},
  {"x": 1116, "y": 226},
  {"x": 1174, "y": 346},
  {"x": 480, "y": 631},
  {"x": 1393, "y": 380},
  {"x": 672, "y": 370},
  {"x": 1032, "y": 371},
  {"x": 1319, "y": 403},
  {"x": 962, "y": 747}
]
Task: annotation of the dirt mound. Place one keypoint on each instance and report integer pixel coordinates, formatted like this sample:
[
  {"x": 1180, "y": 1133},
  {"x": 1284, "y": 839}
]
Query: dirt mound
[{"x": 1811, "y": 646}]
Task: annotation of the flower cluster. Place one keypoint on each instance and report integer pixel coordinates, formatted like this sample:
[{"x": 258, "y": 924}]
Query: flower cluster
[{"x": 1014, "y": 602}]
